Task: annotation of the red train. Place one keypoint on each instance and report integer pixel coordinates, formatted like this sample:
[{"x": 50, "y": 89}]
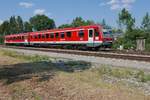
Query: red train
[{"x": 93, "y": 36}]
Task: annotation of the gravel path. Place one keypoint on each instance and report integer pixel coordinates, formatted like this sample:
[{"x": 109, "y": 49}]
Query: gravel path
[{"x": 96, "y": 60}]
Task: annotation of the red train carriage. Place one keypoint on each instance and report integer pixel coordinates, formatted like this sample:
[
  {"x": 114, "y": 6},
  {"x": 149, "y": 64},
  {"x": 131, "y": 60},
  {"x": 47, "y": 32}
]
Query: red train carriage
[
  {"x": 85, "y": 36},
  {"x": 17, "y": 39}
]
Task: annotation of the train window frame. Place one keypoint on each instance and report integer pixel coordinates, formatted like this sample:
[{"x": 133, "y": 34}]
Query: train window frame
[
  {"x": 35, "y": 36},
  {"x": 96, "y": 33},
  {"x": 39, "y": 36},
  {"x": 69, "y": 34},
  {"x": 51, "y": 35},
  {"x": 62, "y": 35},
  {"x": 43, "y": 36},
  {"x": 56, "y": 35},
  {"x": 91, "y": 34},
  {"x": 47, "y": 35},
  {"x": 81, "y": 33}
]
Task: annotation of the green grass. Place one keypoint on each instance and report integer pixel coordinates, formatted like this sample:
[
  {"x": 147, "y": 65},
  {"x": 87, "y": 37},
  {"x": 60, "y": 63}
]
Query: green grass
[
  {"x": 34, "y": 58},
  {"x": 125, "y": 73}
]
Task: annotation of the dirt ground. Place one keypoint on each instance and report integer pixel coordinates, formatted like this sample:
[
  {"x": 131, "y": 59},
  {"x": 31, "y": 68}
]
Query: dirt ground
[{"x": 43, "y": 80}]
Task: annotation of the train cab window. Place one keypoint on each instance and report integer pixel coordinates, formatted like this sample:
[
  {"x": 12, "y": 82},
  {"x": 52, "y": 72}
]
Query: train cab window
[
  {"x": 57, "y": 35},
  {"x": 47, "y": 36},
  {"x": 90, "y": 33},
  {"x": 81, "y": 33},
  {"x": 52, "y": 35},
  {"x": 62, "y": 35},
  {"x": 68, "y": 34}
]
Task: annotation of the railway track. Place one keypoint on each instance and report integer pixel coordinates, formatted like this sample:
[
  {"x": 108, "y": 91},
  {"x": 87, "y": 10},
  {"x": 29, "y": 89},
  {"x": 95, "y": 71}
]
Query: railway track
[{"x": 138, "y": 57}]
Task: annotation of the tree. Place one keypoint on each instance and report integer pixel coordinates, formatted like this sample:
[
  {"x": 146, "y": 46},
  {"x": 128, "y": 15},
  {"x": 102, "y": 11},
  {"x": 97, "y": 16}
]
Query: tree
[
  {"x": 125, "y": 19},
  {"x": 19, "y": 24},
  {"x": 146, "y": 22},
  {"x": 42, "y": 22},
  {"x": 78, "y": 21},
  {"x": 13, "y": 25},
  {"x": 103, "y": 23},
  {"x": 5, "y": 26},
  {"x": 27, "y": 27},
  {"x": 65, "y": 26}
]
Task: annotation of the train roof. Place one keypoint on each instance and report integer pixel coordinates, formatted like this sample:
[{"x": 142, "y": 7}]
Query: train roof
[
  {"x": 66, "y": 29},
  {"x": 20, "y": 34},
  {"x": 52, "y": 30}
]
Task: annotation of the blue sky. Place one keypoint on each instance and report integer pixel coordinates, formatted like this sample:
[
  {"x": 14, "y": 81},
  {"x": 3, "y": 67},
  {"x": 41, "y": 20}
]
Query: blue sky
[{"x": 63, "y": 11}]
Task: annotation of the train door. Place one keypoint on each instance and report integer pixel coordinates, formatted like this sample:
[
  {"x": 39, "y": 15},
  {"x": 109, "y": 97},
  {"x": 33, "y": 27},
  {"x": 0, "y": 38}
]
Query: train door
[
  {"x": 26, "y": 39},
  {"x": 91, "y": 37}
]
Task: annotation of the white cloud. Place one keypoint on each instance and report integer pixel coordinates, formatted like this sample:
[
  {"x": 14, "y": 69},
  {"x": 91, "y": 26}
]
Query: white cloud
[
  {"x": 118, "y": 4},
  {"x": 112, "y": 2},
  {"x": 26, "y": 4},
  {"x": 115, "y": 6},
  {"x": 39, "y": 11},
  {"x": 1, "y": 21}
]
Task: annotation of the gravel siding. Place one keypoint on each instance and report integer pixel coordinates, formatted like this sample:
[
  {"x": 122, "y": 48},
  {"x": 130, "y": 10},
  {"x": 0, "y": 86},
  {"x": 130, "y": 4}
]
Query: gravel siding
[{"x": 95, "y": 60}]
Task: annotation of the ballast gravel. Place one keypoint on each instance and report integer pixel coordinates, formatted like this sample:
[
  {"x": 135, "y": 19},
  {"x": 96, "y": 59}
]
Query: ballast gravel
[{"x": 94, "y": 60}]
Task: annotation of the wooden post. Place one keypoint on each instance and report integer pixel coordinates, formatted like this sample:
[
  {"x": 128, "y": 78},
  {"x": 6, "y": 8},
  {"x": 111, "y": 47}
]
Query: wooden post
[{"x": 140, "y": 44}]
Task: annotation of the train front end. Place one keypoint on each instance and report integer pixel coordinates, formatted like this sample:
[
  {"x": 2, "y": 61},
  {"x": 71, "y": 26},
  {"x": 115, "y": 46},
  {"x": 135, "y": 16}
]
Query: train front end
[{"x": 107, "y": 38}]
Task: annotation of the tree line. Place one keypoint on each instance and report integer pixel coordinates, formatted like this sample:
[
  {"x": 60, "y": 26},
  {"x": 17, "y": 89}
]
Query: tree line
[
  {"x": 16, "y": 25},
  {"x": 126, "y": 25},
  {"x": 131, "y": 32}
]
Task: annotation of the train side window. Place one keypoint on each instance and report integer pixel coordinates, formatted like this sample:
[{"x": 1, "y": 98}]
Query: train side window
[
  {"x": 81, "y": 33},
  {"x": 39, "y": 36},
  {"x": 96, "y": 33},
  {"x": 90, "y": 33},
  {"x": 35, "y": 36},
  {"x": 57, "y": 35},
  {"x": 22, "y": 37},
  {"x": 52, "y": 35},
  {"x": 47, "y": 36},
  {"x": 68, "y": 34},
  {"x": 62, "y": 35},
  {"x": 43, "y": 35}
]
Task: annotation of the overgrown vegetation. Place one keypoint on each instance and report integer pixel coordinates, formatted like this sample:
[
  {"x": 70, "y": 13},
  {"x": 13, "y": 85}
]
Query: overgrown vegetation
[
  {"x": 34, "y": 58},
  {"x": 125, "y": 73},
  {"x": 40, "y": 77},
  {"x": 131, "y": 31}
]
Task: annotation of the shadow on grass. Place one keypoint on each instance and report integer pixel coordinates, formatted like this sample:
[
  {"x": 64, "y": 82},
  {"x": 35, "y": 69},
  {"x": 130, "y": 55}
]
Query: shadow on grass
[{"x": 43, "y": 70}]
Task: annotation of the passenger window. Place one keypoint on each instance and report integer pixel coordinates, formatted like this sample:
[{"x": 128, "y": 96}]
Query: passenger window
[
  {"x": 68, "y": 34},
  {"x": 43, "y": 35},
  {"x": 81, "y": 33},
  {"x": 90, "y": 33},
  {"x": 96, "y": 33},
  {"x": 47, "y": 36},
  {"x": 39, "y": 36},
  {"x": 35, "y": 36},
  {"x": 52, "y": 35},
  {"x": 57, "y": 35},
  {"x": 62, "y": 35}
]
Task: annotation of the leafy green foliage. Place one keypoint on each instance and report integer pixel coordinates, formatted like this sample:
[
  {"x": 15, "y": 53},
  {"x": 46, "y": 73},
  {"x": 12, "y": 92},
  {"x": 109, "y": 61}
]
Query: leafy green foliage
[
  {"x": 78, "y": 21},
  {"x": 125, "y": 19},
  {"x": 146, "y": 22},
  {"x": 27, "y": 27},
  {"x": 42, "y": 22},
  {"x": 65, "y": 26}
]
